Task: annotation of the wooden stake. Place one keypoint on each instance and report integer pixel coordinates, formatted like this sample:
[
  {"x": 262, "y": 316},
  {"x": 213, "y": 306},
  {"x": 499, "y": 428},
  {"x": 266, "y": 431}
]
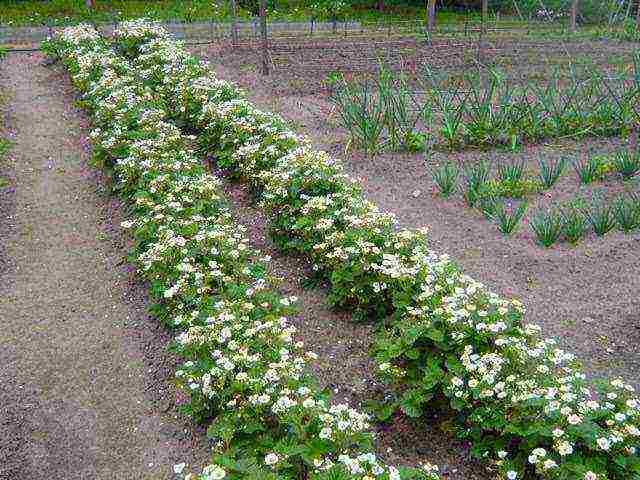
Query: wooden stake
[
  {"x": 485, "y": 14},
  {"x": 431, "y": 15},
  {"x": 263, "y": 32},
  {"x": 234, "y": 22},
  {"x": 574, "y": 16}
]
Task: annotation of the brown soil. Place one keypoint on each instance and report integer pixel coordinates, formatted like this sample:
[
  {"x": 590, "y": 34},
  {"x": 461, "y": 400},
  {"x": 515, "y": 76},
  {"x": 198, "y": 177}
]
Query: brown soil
[
  {"x": 85, "y": 377},
  {"x": 302, "y": 64}
]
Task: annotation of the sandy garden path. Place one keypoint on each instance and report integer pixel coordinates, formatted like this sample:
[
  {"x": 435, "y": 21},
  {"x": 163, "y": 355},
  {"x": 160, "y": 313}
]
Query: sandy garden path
[{"x": 85, "y": 388}]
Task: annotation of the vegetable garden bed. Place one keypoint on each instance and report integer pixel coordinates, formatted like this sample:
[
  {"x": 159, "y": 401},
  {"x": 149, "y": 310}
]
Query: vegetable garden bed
[
  {"x": 443, "y": 337},
  {"x": 557, "y": 284}
]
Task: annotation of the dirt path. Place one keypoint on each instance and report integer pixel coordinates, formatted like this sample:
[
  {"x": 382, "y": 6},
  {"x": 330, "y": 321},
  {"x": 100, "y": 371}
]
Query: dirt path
[{"x": 84, "y": 374}]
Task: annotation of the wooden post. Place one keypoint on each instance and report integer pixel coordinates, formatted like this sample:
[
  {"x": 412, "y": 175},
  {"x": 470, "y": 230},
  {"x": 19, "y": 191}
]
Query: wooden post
[
  {"x": 633, "y": 141},
  {"x": 263, "y": 33},
  {"x": 574, "y": 15},
  {"x": 234, "y": 22},
  {"x": 485, "y": 14},
  {"x": 480, "y": 58},
  {"x": 431, "y": 15}
]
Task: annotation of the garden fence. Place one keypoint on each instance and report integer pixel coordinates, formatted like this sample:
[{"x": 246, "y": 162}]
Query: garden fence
[{"x": 498, "y": 15}]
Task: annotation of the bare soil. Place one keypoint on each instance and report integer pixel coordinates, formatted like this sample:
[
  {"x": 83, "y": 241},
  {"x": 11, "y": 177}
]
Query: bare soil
[
  {"x": 85, "y": 377},
  {"x": 301, "y": 64}
]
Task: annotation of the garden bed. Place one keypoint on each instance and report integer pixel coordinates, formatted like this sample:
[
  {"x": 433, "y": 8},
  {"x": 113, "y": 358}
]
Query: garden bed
[
  {"x": 314, "y": 209},
  {"x": 345, "y": 366},
  {"x": 584, "y": 295},
  {"x": 87, "y": 387},
  {"x": 437, "y": 324}
]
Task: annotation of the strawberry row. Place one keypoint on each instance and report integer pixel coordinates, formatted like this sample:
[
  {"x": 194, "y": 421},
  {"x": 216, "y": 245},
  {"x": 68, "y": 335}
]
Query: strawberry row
[{"x": 245, "y": 373}]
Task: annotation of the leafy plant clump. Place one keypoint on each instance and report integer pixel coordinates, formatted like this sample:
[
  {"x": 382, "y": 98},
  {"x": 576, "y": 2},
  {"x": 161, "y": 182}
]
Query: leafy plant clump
[
  {"x": 551, "y": 171},
  {"x": 380, "y": 112},
  {"x": 548, "y": 227},
  {"x": 476, "y": 177},
  {"x": 511, "y": 177},
  {"x": 575, "y": 224},
  {"x": 627, "y": 164},
  {"x": 363, "y": 114},
  {"x": 600, "y": 216},
  {"x": 446, "y": 177},
  {"x": 626, "y": 211},
  {"x": 591, "y": 169},
  {"x": 508, "y": 220}
]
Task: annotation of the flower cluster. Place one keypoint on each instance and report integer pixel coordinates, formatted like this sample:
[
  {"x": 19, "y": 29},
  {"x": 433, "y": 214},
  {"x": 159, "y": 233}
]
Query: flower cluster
[
  {"x": 549, "y": 14},
  {"x": 130, "y": 34},
  {"x": 522, "y": 401},
  {"x": 242, "y": 366}
]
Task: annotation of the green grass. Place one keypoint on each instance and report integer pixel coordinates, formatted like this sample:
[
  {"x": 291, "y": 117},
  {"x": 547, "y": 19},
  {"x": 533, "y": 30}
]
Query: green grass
[
  {"x": 4, "y": 145},
  {"x": 54, "y": 12},
  {"x": 69, "y": 11}
]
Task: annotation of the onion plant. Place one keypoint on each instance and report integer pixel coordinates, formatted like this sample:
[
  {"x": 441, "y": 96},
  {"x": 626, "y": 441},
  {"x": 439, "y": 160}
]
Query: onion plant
[
  {"x": 600, "y": 216},
  {"x": 626, "y": 164},
  {"x": 589, "y": 170},
  {"x": 381, "y": 111},
  {"x": 626, "y": 211},
  {"x": 574, "y": 222},
  {"x": 488, "y": 201},
  {"x": 487, "y": 109},
  {"x": 446, "y": 177},
  {"x": 402, "y": 110},
  {"x": 451, "y": 105},
  {"x": 550, "y": 171},
  {"x": 506, "y": 219},
  {"x": 476, "y": 177},
  {"x": 547, "y": 226},
  {"x": 362, "y": 113},
  {"x": 511, "y": 177}
]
